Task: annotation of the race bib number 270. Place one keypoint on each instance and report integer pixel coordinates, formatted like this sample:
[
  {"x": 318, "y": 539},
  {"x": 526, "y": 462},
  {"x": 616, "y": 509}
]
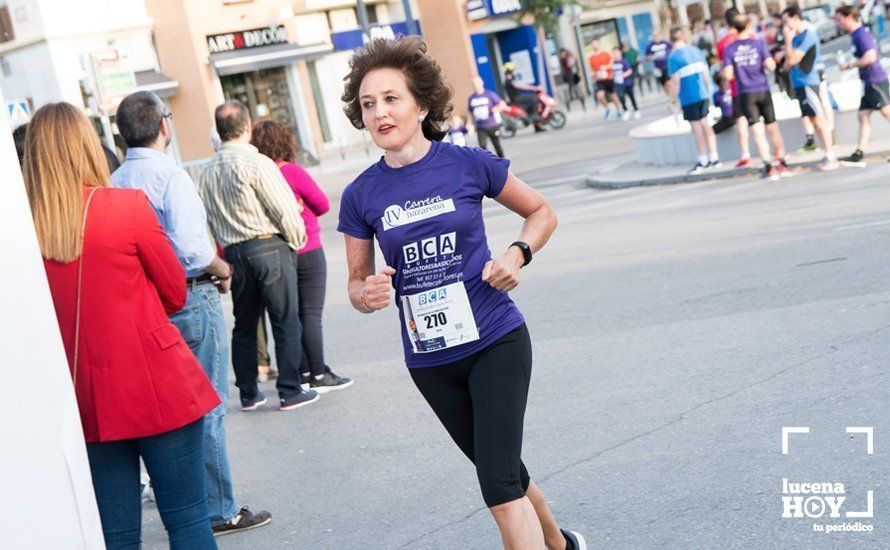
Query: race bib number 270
[{"x": 439, "y": 318}]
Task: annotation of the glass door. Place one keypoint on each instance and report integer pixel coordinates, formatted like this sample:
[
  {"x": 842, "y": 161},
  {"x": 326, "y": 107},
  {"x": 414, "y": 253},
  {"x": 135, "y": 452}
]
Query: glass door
[{"x": 265, "y": 93}]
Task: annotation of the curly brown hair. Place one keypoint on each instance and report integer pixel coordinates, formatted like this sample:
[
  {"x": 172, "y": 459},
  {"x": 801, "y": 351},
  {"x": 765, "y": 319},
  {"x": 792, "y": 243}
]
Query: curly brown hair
[
  {"x": 423, "y": 74},
  {"x": 275, "y": 140}
]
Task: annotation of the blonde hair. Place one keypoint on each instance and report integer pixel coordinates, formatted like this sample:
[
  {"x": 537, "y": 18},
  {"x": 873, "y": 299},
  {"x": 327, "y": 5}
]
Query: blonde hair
[{"x": 62, "y": 155}]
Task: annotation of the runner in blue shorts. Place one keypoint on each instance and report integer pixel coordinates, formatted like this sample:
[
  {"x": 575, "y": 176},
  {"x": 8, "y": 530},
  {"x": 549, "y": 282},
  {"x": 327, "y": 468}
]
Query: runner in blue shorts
[
  {"x": 801, "y": 57},
  {"x": 690, "y": 83}
]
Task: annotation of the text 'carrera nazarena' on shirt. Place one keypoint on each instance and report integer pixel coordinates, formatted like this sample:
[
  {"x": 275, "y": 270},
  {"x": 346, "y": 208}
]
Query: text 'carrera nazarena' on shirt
[{"x": 427, "y": 218}]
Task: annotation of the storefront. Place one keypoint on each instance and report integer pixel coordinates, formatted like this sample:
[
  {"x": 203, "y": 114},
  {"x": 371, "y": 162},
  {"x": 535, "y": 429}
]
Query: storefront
[
  {"x": 498, "y": 39},
  {"x": 338, "y": 27},
  {"x": 327, "y": 75},
  {"x": 634, "y": 22},
  {"x": 257, "y": 68}
]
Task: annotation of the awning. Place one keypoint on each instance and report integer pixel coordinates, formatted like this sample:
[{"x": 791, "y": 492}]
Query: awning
[
  {"x": 254, "y": 59},
  {"x": 159, "y": 83}
]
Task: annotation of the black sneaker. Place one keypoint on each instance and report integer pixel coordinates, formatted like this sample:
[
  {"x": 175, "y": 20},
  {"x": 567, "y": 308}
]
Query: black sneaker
[
  {"x": 253, "y": 404},
  {"x": 698, "y": 168},
  {"x": 243, "y": 520},
  {"x": 575, "y": 541},
  {"x": 857, "y": 159},
  {"x": 714, "y": 164},
  {"x": 301, "y": 399},
  {"x": 329, "y": 382},
  {"x": 769, "y": 173},
  {"x": 808, "y": 146}
]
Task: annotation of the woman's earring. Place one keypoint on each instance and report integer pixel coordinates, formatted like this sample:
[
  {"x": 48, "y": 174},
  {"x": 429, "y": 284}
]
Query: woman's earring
[{"x": 421, "y": 117}]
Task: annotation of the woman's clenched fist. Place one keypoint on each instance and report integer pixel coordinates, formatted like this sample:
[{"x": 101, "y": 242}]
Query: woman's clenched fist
[{"x": 378, "y": 288}]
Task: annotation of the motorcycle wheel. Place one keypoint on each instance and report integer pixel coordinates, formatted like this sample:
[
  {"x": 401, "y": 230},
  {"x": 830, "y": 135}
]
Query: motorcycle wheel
[{"x": 557, "y": 120}]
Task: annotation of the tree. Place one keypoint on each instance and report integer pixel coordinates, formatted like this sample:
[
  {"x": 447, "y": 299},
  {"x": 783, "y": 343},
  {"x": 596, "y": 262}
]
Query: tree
[{"x": 545, "y": 12}]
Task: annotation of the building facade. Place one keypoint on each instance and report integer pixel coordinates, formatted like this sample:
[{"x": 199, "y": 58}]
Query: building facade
[
  {"x": 481, "y": 37},
  {"x": 57, "y": 50},
  {"x": 284, "y": 60}
]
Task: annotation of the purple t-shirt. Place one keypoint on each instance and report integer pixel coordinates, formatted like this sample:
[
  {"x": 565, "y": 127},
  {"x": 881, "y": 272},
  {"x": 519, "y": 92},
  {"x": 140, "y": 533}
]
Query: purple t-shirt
[
  {"x": 746, "y": 56},
  {"x": 427, "y": 218},
  {"x": 724, "y": 101},
  {"x": 618, "y": 69},
  {"x": 659, "y": 51},
  {"x": 481, "y": 106},
  {"x": 863, "y": 40}
]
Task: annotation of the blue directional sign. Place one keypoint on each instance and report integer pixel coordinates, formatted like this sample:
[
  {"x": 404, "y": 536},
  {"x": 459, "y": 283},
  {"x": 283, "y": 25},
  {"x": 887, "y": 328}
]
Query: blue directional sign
[{"x": 352, "y": 39}]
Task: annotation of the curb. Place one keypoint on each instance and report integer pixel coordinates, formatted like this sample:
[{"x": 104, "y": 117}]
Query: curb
[{"x": 605, "y": 182}]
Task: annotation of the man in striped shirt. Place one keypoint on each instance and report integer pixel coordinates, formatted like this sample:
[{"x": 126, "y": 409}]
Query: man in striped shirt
[{"x": 254, "y": 215}]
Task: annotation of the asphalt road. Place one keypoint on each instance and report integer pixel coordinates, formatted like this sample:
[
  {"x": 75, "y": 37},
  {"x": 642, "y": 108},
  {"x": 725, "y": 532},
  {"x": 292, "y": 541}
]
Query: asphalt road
[{"x": 676, "y": 330}]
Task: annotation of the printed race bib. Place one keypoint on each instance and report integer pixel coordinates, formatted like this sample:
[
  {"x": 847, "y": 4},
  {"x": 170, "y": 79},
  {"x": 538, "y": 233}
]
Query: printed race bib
[
  {"x": 481, "y": 112},
  {"x": 439, "y": 318},
  {"x": 602, "y": 74}
]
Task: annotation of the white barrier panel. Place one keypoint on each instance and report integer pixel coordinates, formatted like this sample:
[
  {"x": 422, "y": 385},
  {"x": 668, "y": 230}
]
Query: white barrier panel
[{"x": 46, "y": 493}]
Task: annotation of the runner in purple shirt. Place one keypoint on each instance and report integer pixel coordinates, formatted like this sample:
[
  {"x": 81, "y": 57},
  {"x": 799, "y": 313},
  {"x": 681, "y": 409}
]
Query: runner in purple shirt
[
  {"x": 658, "y": 51},
  {"x": 747, "y": 56},
  {"x": 623, "y": 75},
  {"x": 746, "y": 60},
  {"x": 876, "y": 90},
  {"x": 466, "y": 344},
  {"x": 485, "y": 107}
]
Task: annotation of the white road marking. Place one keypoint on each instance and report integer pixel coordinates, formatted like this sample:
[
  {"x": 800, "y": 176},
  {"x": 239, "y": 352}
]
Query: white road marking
[{"x": 860, "y": 225}]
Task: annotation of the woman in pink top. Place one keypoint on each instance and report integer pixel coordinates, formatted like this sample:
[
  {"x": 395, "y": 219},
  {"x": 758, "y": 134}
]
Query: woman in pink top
[{"x": 277, "y": 142}]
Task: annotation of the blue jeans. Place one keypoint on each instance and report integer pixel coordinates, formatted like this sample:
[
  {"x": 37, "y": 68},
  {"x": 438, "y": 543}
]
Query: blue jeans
[
  {"x": 174, "y": 461},
  {"x": 204, "y": 330}
]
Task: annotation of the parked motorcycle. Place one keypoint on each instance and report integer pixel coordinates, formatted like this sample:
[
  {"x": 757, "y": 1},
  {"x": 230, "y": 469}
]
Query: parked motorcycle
[{"x": 514, "y": 117}]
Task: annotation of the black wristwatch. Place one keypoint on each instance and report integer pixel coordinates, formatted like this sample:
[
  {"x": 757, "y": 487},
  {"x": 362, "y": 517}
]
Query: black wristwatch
[{"x": 526, "y": 251}]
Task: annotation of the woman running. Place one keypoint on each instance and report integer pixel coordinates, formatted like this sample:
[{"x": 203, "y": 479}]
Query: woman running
[{"x": 466, "y": 344}]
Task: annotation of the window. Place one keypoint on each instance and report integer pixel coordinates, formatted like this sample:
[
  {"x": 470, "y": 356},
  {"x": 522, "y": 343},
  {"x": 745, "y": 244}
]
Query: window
[
  {"x": 336, "y": 23},
  {"x": 6, "y": 32},
  {"x": 372, "y": 14}
]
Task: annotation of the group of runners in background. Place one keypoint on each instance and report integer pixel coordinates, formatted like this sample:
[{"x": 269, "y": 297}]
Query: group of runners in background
[{"x": 731, "y": 74}]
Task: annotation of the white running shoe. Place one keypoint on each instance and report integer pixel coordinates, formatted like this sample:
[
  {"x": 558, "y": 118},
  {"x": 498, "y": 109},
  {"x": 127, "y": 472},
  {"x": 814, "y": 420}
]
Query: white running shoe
[
  {"x": 828, "y": 165},
  {"x": 148, "y": 494}
]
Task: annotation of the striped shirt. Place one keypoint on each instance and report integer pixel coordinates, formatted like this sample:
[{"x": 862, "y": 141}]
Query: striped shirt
[{"x": 246, "y": 196}]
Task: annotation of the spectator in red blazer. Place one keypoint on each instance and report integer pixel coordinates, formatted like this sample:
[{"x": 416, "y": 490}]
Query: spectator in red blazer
[
  {"x": 276, "y": 141},
  {"x": 114, "y": 278}
]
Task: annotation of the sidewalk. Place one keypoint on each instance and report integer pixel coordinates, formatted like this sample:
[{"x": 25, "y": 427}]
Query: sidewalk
[{"x": 622, "y": 173}]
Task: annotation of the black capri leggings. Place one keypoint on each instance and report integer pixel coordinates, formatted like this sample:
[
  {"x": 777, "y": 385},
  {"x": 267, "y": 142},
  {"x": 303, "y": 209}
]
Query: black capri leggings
[{"x": 481, "y": 402}]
